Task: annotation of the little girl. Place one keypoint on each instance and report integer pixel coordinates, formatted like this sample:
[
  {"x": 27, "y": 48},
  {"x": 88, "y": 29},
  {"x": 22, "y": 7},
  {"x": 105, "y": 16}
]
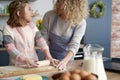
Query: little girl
[{"x": 20, "y": 35}]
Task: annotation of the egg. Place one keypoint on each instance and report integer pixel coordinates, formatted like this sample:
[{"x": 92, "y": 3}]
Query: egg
[
  {"x": 83, "y": 74},
  {"x": 64, "y": 77},
  {"x": 76, "y": 71},
  {"x": 67, "y": 73},
  {"x": 91, "y": 77},
  {"x": 75, "y": 76}
]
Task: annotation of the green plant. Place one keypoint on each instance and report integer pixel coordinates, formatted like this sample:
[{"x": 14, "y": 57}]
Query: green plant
[
  {"x": 39, "y": 24},
  {"x": 96, "y": 14}
]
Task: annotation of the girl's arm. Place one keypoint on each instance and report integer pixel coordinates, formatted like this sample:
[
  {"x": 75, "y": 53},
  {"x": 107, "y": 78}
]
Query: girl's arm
[
  {"x": 9, "y": 42},
  {"x": 41, "y": 43}
]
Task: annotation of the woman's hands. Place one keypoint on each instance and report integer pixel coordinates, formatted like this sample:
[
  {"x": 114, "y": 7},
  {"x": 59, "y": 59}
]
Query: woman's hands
[
  {"x": 63, "y": 63},
  {"x": 54, "y": 62}
]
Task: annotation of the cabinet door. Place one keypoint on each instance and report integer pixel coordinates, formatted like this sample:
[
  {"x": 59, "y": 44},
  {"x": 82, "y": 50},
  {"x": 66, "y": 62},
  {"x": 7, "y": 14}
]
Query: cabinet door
[
  {"x": 4, "y": 58},
  {"x": 99, "y": 29}
]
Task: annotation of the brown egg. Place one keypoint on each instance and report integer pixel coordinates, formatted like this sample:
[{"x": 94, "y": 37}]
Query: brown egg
[
  {"x": 75, "y": 76},
  {"x": 76, "y": 71},
  {"x": 90, "y": 77},
  {"x": 64, "y": 77},
  {"x": 83, "y": 74},
  {"x": 56, "y": 76},
  {"x": 66, "y": 73}
]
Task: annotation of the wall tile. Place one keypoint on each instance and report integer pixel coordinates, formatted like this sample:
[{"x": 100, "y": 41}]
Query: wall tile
[{"x": 115, "y": 35}]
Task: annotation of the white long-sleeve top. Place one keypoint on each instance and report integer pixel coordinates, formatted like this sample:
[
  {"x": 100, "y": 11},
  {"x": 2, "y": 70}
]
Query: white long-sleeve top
[{"x": 63, "y": 28}]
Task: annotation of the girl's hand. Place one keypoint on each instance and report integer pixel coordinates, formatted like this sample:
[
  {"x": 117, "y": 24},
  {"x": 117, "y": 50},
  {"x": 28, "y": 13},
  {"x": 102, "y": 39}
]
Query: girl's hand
[{"x": 29, "y": 62}]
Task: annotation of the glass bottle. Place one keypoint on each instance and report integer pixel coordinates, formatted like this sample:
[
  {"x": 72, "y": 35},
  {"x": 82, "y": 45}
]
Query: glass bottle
[{"x": 93, "y": 61}]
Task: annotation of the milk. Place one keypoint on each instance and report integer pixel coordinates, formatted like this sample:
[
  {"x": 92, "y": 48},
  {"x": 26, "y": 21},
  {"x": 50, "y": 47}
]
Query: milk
[
  {"x": 95, "y": 66},
  {"x": 93, "y": 61}
]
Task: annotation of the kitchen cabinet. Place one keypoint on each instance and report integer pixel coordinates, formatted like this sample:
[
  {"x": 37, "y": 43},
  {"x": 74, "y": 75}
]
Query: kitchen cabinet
[
  {"x": 4, "y": 58},
  {"x": 99, "y": 29},
  {"x": 3, "y": 15}
]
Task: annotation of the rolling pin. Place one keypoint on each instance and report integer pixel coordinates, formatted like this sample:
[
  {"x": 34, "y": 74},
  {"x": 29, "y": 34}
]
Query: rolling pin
[{"x": 43, "y": 63}]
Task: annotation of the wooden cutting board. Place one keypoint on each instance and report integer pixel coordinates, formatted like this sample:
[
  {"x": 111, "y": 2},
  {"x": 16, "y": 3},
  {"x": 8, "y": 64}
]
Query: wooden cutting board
[{"x": 10, "y": 71}]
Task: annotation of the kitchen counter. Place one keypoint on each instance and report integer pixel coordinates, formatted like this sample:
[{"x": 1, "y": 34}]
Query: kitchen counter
[
  {"x": 71, "y": 66},
  {"x": 4, "y": 49}
]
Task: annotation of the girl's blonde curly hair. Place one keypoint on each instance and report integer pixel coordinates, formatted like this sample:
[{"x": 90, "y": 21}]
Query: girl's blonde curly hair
[{"x": 74, "y": 10}]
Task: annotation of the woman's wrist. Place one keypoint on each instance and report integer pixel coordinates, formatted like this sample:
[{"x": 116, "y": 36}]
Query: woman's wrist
[{"x": 69, "y": 55}]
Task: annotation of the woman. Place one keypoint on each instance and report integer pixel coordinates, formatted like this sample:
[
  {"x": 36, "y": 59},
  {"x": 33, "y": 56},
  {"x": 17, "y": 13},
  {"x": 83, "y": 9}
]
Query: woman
[{"x": 64, "y": 28}]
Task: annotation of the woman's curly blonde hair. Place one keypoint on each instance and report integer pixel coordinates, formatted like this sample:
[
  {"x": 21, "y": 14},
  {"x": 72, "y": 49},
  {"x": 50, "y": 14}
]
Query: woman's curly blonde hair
[{"x": 74, "y": 10}]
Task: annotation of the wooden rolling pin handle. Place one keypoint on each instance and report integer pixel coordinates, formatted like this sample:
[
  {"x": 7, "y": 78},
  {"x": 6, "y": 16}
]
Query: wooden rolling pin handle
[{"x": 43, "y": 63}]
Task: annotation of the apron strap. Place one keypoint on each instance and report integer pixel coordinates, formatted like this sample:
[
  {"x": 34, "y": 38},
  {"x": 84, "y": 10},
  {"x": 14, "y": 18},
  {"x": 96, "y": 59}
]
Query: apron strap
[
  {"x": 54, "y": 22},
  {"x": 73, "y": 32}
]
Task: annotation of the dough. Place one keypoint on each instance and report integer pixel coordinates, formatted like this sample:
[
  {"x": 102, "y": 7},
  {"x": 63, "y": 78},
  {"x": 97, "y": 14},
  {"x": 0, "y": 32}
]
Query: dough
[
  {"x": 43, "y": 63},
  {"x": 31, "y": 77}
]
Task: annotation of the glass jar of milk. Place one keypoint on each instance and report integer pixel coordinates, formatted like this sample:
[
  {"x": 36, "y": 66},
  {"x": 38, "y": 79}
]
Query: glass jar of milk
[{"x": 93, "y": 61}]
